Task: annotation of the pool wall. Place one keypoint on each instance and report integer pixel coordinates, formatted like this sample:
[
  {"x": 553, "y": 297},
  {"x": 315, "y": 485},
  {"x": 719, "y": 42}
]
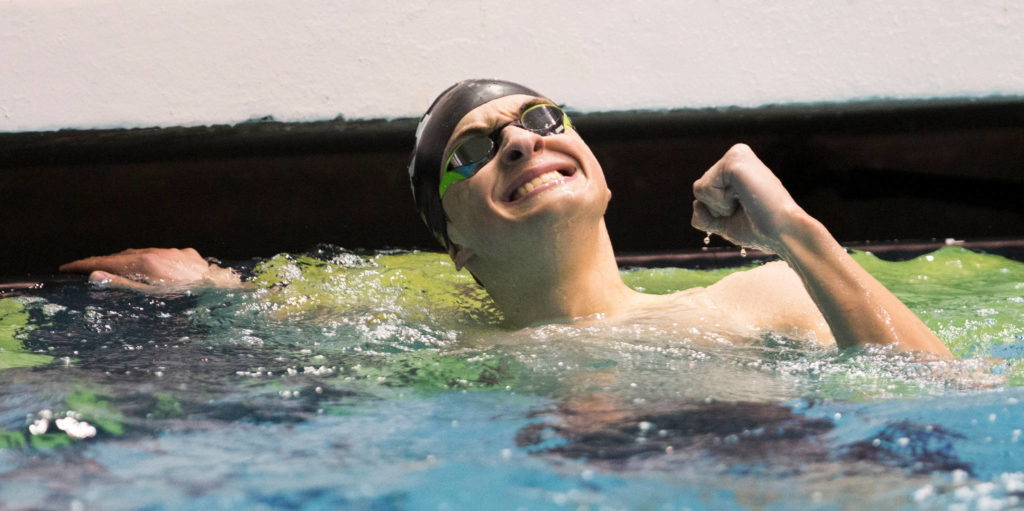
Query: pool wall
[
  {"x": 122, "y": 63},
  {"x": 870, "y": 171},
  {"x": 248, "y": 128}
]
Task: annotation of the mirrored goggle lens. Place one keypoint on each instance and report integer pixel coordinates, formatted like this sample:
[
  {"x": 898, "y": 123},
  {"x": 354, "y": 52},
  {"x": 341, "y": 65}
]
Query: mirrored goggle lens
[
  {"x": 543, "y": 120},
  {"x": 473, "y": 150}
]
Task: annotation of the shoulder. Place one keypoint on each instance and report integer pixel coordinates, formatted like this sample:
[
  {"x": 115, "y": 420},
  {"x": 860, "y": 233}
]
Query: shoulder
[
  {"x": 773, "y": 278},
  {"x": 771, "y": 297}
]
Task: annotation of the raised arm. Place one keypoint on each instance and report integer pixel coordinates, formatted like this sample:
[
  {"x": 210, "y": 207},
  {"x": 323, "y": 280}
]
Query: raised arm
[
  {"x": 154, "y": 269},
  {"x": 740, "y": 199}
]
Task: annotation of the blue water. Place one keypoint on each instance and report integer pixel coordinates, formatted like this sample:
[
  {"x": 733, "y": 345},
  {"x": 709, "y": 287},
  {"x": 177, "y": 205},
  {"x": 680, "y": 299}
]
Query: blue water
[{"x": 380, "y": 382}]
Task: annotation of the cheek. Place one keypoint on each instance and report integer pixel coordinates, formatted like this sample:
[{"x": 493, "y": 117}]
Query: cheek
[
  {"x": 578, "y": 149},
  {"x": 465, "y": 207}
]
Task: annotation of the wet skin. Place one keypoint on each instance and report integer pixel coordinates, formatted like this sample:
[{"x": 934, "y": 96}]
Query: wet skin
[
  {"x": 546, "y": 255},
  {"x": 481, "y": 211}
]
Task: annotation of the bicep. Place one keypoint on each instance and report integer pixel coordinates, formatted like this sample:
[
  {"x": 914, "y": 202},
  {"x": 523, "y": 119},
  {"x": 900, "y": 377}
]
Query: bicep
[{"x": 771, "y": 298}]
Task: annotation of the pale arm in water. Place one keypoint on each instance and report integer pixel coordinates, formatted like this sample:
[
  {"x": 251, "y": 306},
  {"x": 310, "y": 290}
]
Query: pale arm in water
[{"x": 154, "y": 269}]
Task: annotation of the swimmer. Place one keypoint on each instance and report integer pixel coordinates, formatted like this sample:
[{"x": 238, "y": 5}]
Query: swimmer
[{"x": 514, "y": 195}]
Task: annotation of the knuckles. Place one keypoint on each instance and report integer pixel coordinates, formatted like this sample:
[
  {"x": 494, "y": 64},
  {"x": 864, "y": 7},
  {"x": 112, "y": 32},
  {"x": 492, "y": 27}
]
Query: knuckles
[
  {"x": 736, "y": 158},
  {"x": 737, "y": 153}
]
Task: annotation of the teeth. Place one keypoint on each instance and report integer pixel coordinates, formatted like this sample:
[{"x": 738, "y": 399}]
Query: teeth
[{"x": 535, "y": 182}]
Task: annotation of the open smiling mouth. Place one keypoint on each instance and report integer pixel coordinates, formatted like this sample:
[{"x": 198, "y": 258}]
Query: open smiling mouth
[{"x": 545, "y": 180}]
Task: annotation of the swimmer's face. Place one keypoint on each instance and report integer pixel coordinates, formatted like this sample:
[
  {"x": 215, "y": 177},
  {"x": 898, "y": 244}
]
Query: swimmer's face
[{"x": 532, "y": 186}]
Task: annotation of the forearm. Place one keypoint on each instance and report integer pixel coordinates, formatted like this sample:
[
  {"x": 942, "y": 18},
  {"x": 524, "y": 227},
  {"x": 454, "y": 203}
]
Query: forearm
[
  {"x": 859, "y": 309},
  {"x": 741, "y": 199},
  {"x": 155, "y": 269}
]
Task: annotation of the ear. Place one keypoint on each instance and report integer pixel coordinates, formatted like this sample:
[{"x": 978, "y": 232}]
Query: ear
[{"x": 460, "y": 255}]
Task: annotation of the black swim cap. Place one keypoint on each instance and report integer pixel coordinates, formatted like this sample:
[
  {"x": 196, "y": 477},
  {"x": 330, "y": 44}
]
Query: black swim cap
[{"x": 432, "y": 135}]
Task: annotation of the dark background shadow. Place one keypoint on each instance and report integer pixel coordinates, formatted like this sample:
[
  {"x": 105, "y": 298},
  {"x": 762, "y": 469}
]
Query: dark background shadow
[{"x": 869, "y": 171}]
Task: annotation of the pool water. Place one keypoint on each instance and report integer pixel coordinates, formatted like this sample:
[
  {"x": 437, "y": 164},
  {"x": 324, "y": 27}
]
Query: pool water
[{"x": 381, "y": 381}]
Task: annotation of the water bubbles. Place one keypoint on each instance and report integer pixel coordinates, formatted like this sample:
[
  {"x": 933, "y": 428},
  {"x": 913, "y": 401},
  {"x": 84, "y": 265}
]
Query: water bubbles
[
  {"x": 74, "y": 427},
  {"x": 51, "y": 309},
  {"x": 39, "y": 426},
  {"x": 923, "y": 493},
  {"x": 317, "y": 371}
]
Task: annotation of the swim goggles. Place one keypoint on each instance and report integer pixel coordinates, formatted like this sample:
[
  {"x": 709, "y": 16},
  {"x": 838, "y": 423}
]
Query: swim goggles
[{"x": 473, "y": 153}]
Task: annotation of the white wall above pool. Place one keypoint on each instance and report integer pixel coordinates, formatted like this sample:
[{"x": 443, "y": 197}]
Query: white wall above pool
[{"x": 125, "y": 63}]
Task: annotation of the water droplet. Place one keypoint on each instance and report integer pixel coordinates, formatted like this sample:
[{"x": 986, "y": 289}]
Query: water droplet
[
  {"x": 707, "y": 239},
  {"x": 743, "y": 252}
]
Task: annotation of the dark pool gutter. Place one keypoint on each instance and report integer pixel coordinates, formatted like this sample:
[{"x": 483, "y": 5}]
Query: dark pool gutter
[
  {"x": 724, "y": 257},
  {"x": 867, "y": 170}
]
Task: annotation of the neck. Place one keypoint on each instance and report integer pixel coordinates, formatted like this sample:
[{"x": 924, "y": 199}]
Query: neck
[{"x": 569, "y": 275}]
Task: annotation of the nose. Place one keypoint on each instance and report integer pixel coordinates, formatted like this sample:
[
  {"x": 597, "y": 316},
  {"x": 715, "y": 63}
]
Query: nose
[{"x": 518, "y": 145}]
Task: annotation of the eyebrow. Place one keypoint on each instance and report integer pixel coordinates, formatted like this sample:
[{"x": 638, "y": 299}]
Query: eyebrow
[{"x": 488, "y": 128}]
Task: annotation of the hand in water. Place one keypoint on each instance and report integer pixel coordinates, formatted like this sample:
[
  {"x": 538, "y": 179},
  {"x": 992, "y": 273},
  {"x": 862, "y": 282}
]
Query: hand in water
[
  {"x": 154, "y": 269},
  {"x": 740, "y": 199}
]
